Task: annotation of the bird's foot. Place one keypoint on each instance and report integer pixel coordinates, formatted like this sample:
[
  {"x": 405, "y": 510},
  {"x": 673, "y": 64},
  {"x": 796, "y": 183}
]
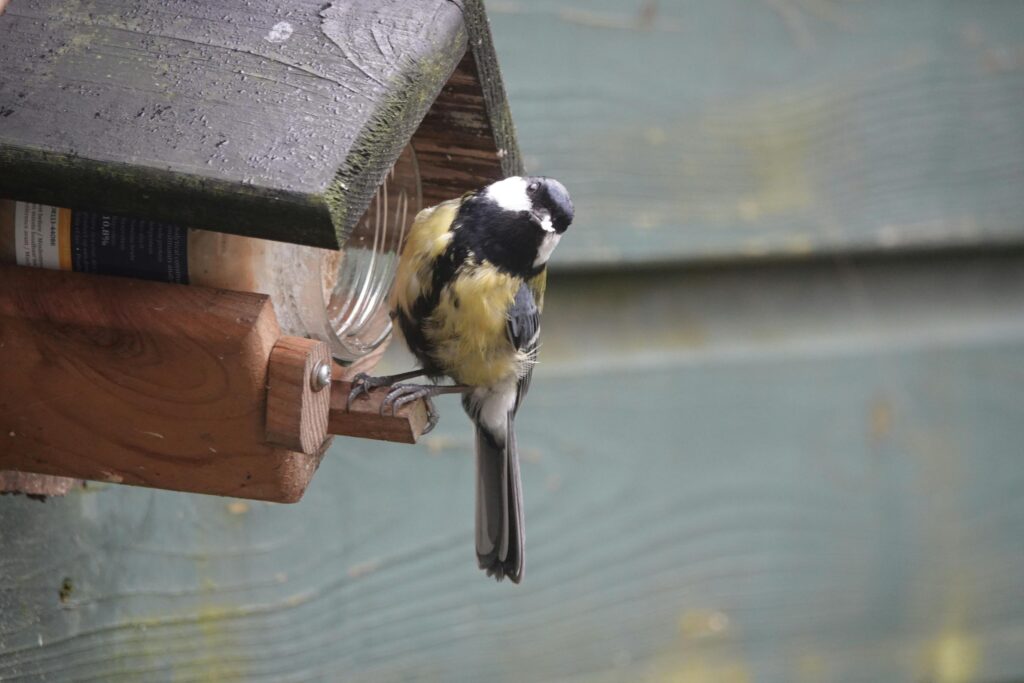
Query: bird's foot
[
  {"x": 401, "y": 394},
  {"x": 363, "y": 383}
]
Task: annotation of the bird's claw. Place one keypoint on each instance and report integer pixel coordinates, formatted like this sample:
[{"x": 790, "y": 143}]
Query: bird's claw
[
  {"x": 401, "y": 394},
  {"x": 361, "y": 386}
]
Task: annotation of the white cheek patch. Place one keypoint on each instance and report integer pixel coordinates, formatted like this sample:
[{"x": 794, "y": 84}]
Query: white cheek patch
[
  {"x": 547, "y": 246},
  {"x": 547, "y": 224},
  {"x": 510, "y": 194}
]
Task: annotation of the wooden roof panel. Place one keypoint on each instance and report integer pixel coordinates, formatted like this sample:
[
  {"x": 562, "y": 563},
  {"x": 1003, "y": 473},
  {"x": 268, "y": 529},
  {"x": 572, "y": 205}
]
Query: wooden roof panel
[{"x": 262, "y": 119}]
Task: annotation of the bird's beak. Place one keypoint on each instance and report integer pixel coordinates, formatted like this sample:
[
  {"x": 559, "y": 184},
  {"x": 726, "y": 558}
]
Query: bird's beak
[
  {"x": 543, "y": 219},
  {"x": 560, "y": 198}
]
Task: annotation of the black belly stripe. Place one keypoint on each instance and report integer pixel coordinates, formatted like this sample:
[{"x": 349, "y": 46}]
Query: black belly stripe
[
  {"x": 417, "y": 343},
  {"x": 444, "y": 270}
]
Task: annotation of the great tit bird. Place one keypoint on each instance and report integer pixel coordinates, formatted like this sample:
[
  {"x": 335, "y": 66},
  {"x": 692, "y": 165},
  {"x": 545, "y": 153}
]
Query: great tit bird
[{"x": 467, "y": 298}]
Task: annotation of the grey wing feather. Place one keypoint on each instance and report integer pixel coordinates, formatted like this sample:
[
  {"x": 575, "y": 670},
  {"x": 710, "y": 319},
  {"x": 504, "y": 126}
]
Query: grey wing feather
[{"x": 523, "y": 328}]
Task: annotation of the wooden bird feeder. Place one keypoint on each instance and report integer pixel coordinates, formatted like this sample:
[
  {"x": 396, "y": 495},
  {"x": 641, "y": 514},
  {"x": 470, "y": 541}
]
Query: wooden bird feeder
[{"x": 276, "y": 121}]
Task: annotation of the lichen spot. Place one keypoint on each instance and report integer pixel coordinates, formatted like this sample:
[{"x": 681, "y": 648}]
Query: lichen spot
[
  {"x": 280, "y": 32},
  {"x": 67, "y": 587}
]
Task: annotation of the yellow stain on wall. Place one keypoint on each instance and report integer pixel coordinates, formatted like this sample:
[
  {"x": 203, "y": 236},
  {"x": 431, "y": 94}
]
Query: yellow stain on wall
[
  {"x": 704, "y": 652},
  {"x": 880, "y": 418},
  {"x": 702, "y": 623},
  {"x": 216, "y": 624},
  {"x": 237, "y": 507},
  {"x": 945, "y": 589},
  {"x": 708, "y": 670},
  {"x": 953, "y": 658},
  {"x": 773, "y": 140},
  {"x": 812, "y": 667}
]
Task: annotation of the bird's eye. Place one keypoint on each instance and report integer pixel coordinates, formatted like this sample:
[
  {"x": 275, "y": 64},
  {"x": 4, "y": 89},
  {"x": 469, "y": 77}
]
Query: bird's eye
[{"x": 533, "y": 187}]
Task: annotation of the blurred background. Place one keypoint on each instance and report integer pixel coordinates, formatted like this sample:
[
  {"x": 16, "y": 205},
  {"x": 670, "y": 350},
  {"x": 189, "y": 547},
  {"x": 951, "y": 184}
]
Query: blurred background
[{"x": 777, "y": 430}]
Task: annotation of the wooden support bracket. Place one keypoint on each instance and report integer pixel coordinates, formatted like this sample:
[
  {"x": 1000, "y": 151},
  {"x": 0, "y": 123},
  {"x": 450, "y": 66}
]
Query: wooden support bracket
[
  {"x": 169, "y": 386},
  {"x": 298, "y": 396}
]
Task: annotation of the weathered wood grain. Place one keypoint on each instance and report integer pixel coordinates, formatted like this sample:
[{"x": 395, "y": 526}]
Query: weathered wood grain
[
  {"x": 141, "y": 383},
  {"x": 267, "y": 120},
  {"x": 807, "y": 474},
  {"x": 34, "y": 485},
  {"x": 467, "y": 139},
  {"x": 722, "y": 129},
  {"x": 455, "y": 145},
  {"x": 492, "y": 86}
]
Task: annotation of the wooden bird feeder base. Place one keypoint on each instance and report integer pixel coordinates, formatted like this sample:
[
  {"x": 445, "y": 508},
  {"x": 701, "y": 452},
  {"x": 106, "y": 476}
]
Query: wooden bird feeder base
[
  {"x": 195, "y": 389},
  {"x": 169, "y": 386}
]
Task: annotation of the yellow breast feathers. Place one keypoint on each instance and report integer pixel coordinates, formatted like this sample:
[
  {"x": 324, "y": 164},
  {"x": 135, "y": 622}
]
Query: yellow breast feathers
[
  {"x": 468, "y": 327},
  {"x": 428, "y": 238}
]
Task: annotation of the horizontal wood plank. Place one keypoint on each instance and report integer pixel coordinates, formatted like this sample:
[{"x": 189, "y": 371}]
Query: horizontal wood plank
[
  {"x": 456, "y": 148},
  {"x": 725, "y": 129}
]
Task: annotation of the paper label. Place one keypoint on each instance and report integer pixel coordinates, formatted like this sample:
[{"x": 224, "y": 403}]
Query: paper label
[
  {"x": 116, "y": 245},
  {"x": 42, "y": 236},
  {"x": 89, "y": 242}
]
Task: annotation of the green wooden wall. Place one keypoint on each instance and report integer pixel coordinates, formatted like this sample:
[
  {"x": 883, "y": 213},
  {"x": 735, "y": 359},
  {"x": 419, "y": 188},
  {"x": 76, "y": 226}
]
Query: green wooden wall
[
  {"x": 777, "y": 430},
  {"x": 736, "y": 128}
]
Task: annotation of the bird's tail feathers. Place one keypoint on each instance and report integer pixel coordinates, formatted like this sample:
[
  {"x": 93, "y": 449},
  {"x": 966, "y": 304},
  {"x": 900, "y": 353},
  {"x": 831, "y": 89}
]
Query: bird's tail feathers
[{"x": 499, "y": 506}]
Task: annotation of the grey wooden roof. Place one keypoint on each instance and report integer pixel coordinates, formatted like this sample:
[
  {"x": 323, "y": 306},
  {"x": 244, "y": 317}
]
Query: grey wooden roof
[{"x": 270, "y": 119}]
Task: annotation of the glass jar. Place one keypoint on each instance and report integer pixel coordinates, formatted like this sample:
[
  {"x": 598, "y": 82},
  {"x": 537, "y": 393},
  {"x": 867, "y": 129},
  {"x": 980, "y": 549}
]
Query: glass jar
[{"x": 356, "y": 282}]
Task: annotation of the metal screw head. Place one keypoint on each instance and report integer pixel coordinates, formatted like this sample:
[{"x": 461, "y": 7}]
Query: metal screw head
[{"x": 321, "y": 376}]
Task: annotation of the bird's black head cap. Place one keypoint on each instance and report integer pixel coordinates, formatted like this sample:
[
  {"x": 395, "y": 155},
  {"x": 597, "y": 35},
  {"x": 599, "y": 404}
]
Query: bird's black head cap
[
  {"x": 515, "y": 223},
  {"x": 549, "y": 195}
]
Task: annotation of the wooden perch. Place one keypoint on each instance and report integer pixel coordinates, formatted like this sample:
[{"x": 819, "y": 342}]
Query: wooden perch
[
  {"x": 169, "y": 386},
  {"x": 300, "y": 417},
  {"x": 366, "y": 421}
]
